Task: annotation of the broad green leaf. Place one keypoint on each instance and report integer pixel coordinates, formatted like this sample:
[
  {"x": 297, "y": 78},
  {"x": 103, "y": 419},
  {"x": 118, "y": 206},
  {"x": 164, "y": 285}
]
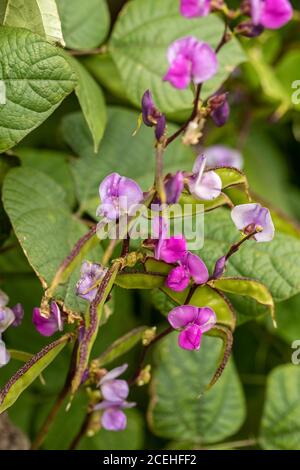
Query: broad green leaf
[
  {"x": 43, "y": 224},
  {"x": 139, "y": 43},
  {"x": 231, "y": 177},
  {"x": 176, "y": 410},
  {"x": 287, "y": 72},
  {"x": 30, "y": 371},
  {"x": 246, "y": 287},
  {"x": 271, "y": 86},
  {"x": 39, "y": 16},
  {"x": 275, "y": 264},
  {"x": 84, "y": 24},
  {"x": 91, "y": 100},
  {"x": 36, "y": 78},
  {"x": 51, "y": 162},
  {"x": 103, "y": 68},
  {"x": 119, "y": 151},
  {"x": 7, "y": 162},
  {"x": 280, "y": 426},
  {"x": 140, "y": 280},
  {"x": 120, "y": 346},
  {"x": 288, "y": 319}
]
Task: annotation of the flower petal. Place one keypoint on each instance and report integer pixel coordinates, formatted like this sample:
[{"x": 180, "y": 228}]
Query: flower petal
[
  {"x": 220, "y": 155},
  {"x": 7, "y": 317},
  {"x": 178, "y": 279},
  {"x": 206, "y": 319},
  {"x": 4, "y": 299},
  {"x": 4, "y": 354},
  {"x": 173, "y": 249},
  {"x": 115, "y": 390},
  {"x": 190, "y": 338},
  {"x": 113, "y": 419},
  {"x": 181, "y": 316},
  {"x": 113, "y": 374},
  {"x": 197, "y": 268},
  {"x": 208, "y": 188},
  {"x": 191, "y": 8}
]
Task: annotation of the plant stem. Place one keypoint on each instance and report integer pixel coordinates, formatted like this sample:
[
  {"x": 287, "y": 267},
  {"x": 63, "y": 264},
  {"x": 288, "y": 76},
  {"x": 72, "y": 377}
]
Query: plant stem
[
  {"x": 234, "y": 248},
  {"x": 159, "y": 182},
  {"x": 81, "y": 433},
  {"x": 42, "y": 434},
  {"x": 233, "y": 444}
]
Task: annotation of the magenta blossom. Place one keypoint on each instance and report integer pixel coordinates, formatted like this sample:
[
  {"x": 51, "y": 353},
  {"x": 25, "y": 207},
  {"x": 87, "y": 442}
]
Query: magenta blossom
[
  {"x": 48, "y": 326},
  {"x": 119, "y": 195},
  {"x": 90, "y": 275},
  {"x": 190, "y": 60},
  {"x": 190, "y": 267},
  {"x": 272, "y": 14},
  {"x": 220, "y": 114},
  {"x": 220, "y": 155},
  {"x": 193, "y": 322},
  {"x": 168, "y": 249},
  {"x": 191, "y": 8},
  {"x": 114, "y": 390},
  {"x": 251, "y": 217},
  {"x": 206, "y": 185}
]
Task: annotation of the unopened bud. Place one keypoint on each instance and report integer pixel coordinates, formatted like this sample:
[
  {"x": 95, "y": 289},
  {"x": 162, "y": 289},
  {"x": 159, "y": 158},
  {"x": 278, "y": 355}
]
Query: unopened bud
[
  {"x": 94, "y": 425},
  {"x": 148, "y": 336},
  {"x": 144, "y": 376}
]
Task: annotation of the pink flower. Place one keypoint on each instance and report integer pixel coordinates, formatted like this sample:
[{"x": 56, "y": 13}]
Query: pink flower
[
  {"x": 48, "y": 326},
  {"x": 251, "y": 217},
  {"x": 206, "y": 185},
  {"x": 190, "y": 267},
  {"x": 192, "y": 322},
  {"x": 190, "y": 60},
  {"x": 191, "y": 8},
  {"x": 272, "y": 14},
  {"x": 168, "y": 249}
]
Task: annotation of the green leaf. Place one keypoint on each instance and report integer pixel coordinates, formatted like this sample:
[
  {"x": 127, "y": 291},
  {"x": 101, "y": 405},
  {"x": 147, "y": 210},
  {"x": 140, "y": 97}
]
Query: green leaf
[
  {"x": 43, "y": 224},
  {"x": 287, "y": 72},
  {"x": 36, "y": 78},
  {"x": 247, "y": 287},
  {"x": 51, "y": 162},
  {"x": 139, "y": 43},
  {"x": 39, "y": 16},
  {"x": 206, "y": 296},
  {"x": 288, "y": 319},
  {"x": 119, "y": 151},
  {"x": 30, "y": 371},
  {"x": 140, "y": 280},
  {"x": 91, "y": 100},
  {"x": 275, "y": 264},
  {"x": 103, "y": 68},
  {"x": 280, "y": 426},
  {"x": 176, "y": 410},
  {"x": 84, "y": 25},
  {"x": 120, "y": 347}
]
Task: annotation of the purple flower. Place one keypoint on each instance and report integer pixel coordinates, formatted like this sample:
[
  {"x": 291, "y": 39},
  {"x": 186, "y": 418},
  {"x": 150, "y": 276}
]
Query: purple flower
[
  {"x": 152, "y": 116},
  {"x": 191, "y": 8},
  {"x": 271, "y": 14},
  {"x": 4, "y": 354},
  {"x": 219, "y": 267},
  {"x": 220, "y": 155},
  {"x": 190, "y": 267},
  {"x": 251, "y": 217},
  {"x": 173, "y": 187},
  {"x": 119, "y": 195},
  {"x": 190, "y": 60},
  {"x": 7, "y": 318},
  {"x": 193, "y": 322},
  {"x": 113, "y": 418},
  {"x": 4, "y": 299},
  {"x": 90, "y": 276},
  {"x": 220, "y": 114},
  {"x": 19, "y": 314},
  {"x": 48, "y": 326},
  {"x": 114, "y": 390},
  {"x": 204, "y": 185}
]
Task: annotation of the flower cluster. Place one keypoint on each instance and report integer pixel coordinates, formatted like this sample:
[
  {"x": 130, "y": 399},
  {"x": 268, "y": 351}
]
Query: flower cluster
[
  {"x": 8, "y": 317},
  {"x": 114, "y": 393}
]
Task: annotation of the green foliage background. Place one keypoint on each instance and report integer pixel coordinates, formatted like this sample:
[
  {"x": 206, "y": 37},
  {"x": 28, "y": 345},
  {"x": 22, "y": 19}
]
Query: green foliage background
[{"x": 50, "y": 171}]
